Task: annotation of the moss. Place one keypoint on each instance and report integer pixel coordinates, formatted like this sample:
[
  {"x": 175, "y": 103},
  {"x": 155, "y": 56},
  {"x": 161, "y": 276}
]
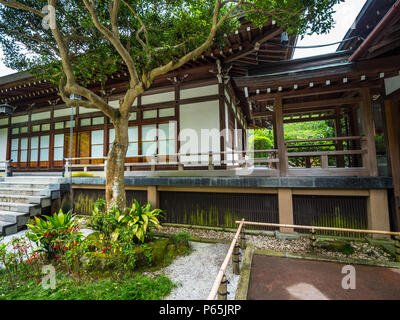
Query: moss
[
  {"x": 159, "y": 251},
  {"x": 83, "y": 174},
  {"x": 337, "y": 246}
]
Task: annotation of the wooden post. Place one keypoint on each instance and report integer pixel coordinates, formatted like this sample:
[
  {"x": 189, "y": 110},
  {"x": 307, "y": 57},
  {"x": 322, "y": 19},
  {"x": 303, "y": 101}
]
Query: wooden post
[
  {"x": 152, "y": 196},
  {"x": 236, "y": 259},
  {"x": 378, "y": 211},
  {"x": 210, "y": 161},
  {"x": 278, "y": 110},
  {"x": 313, "y": 239},
  {"x": 223, "y": 289},
  {"x": 285, "y": 207},
  {"x": 392, "y": 112},
  {"x": 339, "y": 144},
  {"x": 242, "y": 239},
  {"x": 368, "y": 130}
]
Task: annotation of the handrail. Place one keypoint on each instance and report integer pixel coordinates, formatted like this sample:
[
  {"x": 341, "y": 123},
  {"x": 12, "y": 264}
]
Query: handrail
[
  {"x": 265, "y": 224},
  {"x": 326, "y": 139},
  {"x": 221, "y": 272}
]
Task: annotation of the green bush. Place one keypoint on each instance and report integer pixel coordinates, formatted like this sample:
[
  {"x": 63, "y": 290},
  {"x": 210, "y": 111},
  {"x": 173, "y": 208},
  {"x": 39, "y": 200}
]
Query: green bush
[{"x": 53, "y": 233}]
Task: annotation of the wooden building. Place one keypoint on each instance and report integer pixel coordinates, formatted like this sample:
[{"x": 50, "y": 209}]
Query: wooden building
[{"x": 251, "y": 83}]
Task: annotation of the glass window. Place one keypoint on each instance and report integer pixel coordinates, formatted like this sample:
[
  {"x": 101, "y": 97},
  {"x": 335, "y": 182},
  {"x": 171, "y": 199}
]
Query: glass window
[
  {"x": 59, "y": 125},
  {"x": 15, "y": 131},
  {"x": 24, "y": 129},
  {"x": 98, "y": 120},
  {"x": 149, "y": 114},
  {"x": 36, "y": 128},
  {"x": 58, "y": 147},
  {"x": 149, "y": 140},
  {"x": 97, "y": 147},
  {"x": 14, "y": 150},
  {"x": 170, "y": 112},
  {"x": 34, "y": 149},
  {"x": 132, "y": 116},
  {"x": 133, "y": 147},
  {"x": 44, "y": 148},
  {"x": 85, "y": 122},
  {"x": 166, "y": 138},
  {"x": 24, "y": 150},
  {"x": 46, "y": 127}
]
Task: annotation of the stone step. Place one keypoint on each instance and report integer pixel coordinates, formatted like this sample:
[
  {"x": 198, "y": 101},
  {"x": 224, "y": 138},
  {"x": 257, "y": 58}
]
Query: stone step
[
  {"x": 7, "y": 228},
  {"x": 29, "y": 185},
  {"x": 36, "y": 179},
  {"x": 25, "y": 191},
  {"x": 42, "y": 201},
  {"x": 19, "y": 218},
  {"x": 32, "y": 209}
]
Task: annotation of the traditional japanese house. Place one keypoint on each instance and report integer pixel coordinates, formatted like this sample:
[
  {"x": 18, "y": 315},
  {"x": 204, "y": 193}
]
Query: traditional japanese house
[{"x": 350, "y": 179}]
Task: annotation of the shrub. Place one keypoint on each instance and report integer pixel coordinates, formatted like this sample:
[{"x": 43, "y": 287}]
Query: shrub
[
  {"x": 53, "y": 233},
  {"x": 182, "y": 237}
]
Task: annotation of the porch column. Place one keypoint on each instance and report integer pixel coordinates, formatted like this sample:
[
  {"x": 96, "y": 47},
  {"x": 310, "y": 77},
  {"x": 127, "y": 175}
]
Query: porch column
[
  {"x": 339, "y": 144},
  {"x": 152, "y": 196},
  {"x": 378, "y": 211},
  {"x": 392, "y": 112},
  {"x": 285, "y": 205},
  {"x": 369, "y": 159},
  {"x": 278, "y": 111}
]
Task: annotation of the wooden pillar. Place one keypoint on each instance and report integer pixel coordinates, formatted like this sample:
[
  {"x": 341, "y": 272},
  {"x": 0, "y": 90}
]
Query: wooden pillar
[
  {"x": 283, "y": 163},
  {"x": 392, "y": 112},
  {"x": 369, "y": 159},
  {"x": 339, "y": 144},
  {"x": 354, "y": 132},
  {"x": 152, "y": 196},
  {"x": 222, "y": 121},
  {"x": 285, "y": 205},
  {"x": 378, "y": 211}
]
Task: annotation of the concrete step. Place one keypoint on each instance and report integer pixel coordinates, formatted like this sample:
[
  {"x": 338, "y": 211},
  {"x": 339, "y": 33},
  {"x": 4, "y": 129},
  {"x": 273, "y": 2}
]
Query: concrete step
[
  {"x": 19, "y": 218},
  {"x": 32, "y": 209},
  {"x": 25, "y": 191},
  {"x": 29, "y": 185},
  {"x": 42, "y": 201},
  {"x": 7, "y": 228},
  {"x": 36, "y": 179}
]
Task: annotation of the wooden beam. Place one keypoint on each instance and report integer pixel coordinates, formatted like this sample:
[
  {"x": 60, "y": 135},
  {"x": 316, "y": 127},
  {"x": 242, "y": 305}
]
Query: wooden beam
[
  {"x": 322, "y": 103},
  {"x": 392, "y": 111},
  {"x": 254, "y": 46}
]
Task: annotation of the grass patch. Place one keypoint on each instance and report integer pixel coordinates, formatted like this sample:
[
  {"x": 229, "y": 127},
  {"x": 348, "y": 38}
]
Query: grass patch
[{"x": 131, "y": 288}]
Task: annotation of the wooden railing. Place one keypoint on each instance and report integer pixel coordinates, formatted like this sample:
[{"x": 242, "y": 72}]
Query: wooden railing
[
  {"x": 220, "y": 283},
  {"x": 239, "y": 159},
  {"x": 323, "y": 155}
]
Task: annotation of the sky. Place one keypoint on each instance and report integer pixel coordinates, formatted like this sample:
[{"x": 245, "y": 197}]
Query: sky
[{"x": 345, "y": 15}]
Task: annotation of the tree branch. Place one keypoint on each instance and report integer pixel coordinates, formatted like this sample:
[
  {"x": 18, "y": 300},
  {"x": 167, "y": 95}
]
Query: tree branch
[{"x": 115, "y": 41}]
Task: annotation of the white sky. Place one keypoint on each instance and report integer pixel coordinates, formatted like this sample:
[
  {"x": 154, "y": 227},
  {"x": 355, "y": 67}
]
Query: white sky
[{"x": 345, "y": 15}]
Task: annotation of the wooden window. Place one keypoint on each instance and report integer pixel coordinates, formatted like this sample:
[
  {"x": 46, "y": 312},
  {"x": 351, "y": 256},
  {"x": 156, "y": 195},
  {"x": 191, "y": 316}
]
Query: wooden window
[
  {"x": 14, "y": 149},
  {"x": 34, "y": 158}
]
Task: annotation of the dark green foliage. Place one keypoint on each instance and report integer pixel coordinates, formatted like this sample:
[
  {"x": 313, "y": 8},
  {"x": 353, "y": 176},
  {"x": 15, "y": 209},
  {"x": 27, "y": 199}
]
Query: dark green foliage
[
  {"x": 337, "y": 246},
  {"x": 174, "y": 28}
]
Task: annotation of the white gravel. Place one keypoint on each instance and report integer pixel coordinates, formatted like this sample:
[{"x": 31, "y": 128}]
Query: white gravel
[{"x": 195, "y": 273}]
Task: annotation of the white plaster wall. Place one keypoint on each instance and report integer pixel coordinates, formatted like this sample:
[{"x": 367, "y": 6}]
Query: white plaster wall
[
  {"x": 199, "y": 92},
  {"x": 3, "y": 145},
  {"x": 3, "y": 121},
  {"x": 392, "y": 84},
  {"x": 158, "y": 98},
  {"x": 19, "y": 119},
  {"x": 63, "y": 112},
  {"x": 194, "y": 118}
]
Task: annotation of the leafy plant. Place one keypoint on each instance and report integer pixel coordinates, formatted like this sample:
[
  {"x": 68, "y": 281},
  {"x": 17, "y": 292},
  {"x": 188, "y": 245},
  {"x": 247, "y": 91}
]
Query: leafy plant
[
  {"x": 53, "y": 233},
  {"x": 182, "y": 237}
]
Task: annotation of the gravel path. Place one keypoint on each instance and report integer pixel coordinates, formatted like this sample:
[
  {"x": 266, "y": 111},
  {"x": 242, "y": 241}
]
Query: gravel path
[
  {"x": 362, "y": 250},
  {"x": 195, "y": 273}
]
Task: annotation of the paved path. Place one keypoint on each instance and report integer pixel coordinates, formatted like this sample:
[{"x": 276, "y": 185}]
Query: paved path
[{"x": 279, "y": 278}]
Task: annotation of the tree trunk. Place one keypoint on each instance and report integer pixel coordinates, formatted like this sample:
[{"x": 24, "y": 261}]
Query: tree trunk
[{"x": 115, "y": 185}]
